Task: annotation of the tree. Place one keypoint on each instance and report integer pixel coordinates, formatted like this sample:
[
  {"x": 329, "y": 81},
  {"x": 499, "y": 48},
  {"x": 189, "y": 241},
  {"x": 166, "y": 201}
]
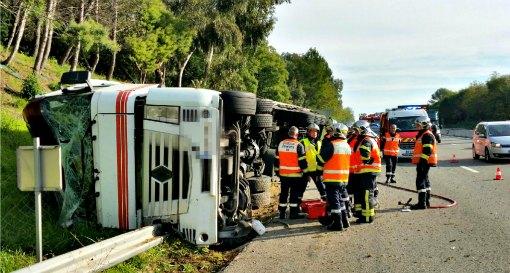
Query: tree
[
  {"x": 272, "y": 74},
  {"x": 440, "y": 94},
  {"x": 160, "y": 35},
  {"x": 24, "y": 9}
]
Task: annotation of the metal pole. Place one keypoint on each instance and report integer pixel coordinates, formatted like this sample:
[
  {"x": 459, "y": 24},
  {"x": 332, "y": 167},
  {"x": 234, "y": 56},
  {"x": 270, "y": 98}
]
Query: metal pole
[{"x": 38, "y": 198}]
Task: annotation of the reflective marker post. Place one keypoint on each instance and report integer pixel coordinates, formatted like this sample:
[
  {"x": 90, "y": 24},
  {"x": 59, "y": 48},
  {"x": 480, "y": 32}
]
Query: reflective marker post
[{"x": 38, "y": 199}]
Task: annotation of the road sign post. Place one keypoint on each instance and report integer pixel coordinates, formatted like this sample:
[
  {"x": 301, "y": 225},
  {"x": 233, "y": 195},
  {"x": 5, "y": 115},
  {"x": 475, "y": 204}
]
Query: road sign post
[
  {"x": 38, "y": 199},
  {"x": 38, "y": 170}
]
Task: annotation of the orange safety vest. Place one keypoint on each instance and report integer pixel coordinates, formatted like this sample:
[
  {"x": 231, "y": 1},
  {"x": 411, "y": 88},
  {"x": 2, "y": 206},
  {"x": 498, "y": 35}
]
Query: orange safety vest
[
  {"x": 353, "y": 160},
  {"x": 391, "y": 144},
  {"x": 375, "y": 154},
  {"x": 418, "y": 149},
  {"x": 337, "y": 167},
  {"x": 287, "y": 154}
]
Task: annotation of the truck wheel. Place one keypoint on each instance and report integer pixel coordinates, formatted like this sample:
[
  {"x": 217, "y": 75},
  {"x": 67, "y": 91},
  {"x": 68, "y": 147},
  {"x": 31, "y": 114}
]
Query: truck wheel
[
  {"x": 262, "y": 121},
  {"x": 264, "y": 106},
  {"x": 259, "y": 184},
  {"x": 268, "y": 157},
  {"x": 239, "y": 103},
  {"x": 259, "y": 200}
]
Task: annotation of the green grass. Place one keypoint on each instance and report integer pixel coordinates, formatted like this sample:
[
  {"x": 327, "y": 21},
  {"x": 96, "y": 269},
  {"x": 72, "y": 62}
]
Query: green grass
[{"x": 17, "y": 227}]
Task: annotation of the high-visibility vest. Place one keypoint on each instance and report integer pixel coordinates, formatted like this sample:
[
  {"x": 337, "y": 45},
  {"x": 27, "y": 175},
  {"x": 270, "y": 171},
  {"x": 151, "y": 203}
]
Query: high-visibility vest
[
  {"x": 288, "y": 157},
  {"x": 337, "y": 167},
  {"x": 391, "y": 144},
  {"x": 311, "y": 153},
  {"x": 375, "y": 154},
  {"x": 353, "y": 160},
  {"x": 418, "y": 149}
]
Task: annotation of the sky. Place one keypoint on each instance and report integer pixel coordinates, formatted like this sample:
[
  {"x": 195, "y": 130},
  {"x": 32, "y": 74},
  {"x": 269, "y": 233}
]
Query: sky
[{"x": 396, "y": 52}]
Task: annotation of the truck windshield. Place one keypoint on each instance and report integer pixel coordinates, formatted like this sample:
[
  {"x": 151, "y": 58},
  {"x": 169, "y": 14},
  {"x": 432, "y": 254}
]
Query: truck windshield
[
  {"x": 404, "y": 123},
  {"x": 499, "y": 130}
]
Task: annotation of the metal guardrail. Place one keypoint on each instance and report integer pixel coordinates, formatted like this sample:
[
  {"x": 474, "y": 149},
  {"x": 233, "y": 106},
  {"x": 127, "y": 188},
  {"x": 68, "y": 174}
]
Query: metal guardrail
[
  {"x": 101, "y": 255},
  {"x": 457, "y": 132}
]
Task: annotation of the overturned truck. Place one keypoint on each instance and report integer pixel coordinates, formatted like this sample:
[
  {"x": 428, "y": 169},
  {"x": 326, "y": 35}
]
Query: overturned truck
[{"x": 199, "y": 160}]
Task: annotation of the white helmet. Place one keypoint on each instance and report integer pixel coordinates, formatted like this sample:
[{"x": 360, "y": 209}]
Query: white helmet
[
  {"x": 363, "y": 128},
  {"x": 293, "y": 130},
  {"x": 313, "y": 126},
  {"x": 423, "y": 121}
]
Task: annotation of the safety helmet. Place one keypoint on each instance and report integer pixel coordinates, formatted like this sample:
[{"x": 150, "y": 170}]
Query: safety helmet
[
  {"x": 340, "y": 130},
  {"x": 423, "y": 121},
  {"x": 293, "y": 131},
  {"x": 363, "y": 128},
  {"x": 313, "y": 126}
]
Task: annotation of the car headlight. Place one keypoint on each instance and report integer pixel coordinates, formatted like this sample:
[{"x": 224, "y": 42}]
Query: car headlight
[{"x": 495, "y": 145}]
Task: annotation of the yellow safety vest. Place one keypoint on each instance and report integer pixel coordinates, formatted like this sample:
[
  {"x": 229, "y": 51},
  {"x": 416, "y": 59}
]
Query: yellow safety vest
[{"x": 311, "y": 153}]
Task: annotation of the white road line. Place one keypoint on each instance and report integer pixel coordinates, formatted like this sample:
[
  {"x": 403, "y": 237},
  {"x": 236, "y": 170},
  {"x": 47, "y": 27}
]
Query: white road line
[{"x": 469, "y": 169}]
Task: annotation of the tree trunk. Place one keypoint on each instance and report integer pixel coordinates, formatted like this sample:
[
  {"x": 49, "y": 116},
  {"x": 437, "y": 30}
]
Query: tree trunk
[
  {"x": 65, "y": 57},
  {"x": 159, "y": 77},
  {"x": 21, "y": 29},
  {"x": 42, "y": 46},
  {"x": 114, "y": 38},
  {"x": 183, "y": 66},
  {"x": 37, "y": 37},
  {"x": 209, "y": 61},
  {"x": 15, "y": 25},
  {"x": 96, "y": 55},
  {"x": 47, "y": 49},
  {"x": 76, "y": 56}
]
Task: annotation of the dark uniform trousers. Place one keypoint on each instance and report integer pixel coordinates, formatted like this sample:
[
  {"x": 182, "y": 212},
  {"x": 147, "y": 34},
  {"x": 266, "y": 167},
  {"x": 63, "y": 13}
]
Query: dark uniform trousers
[
  {"x": 293, "y": 185},
  {"x": 422, "y": 177},
  {"x": 391, "y": 165},
  {"x": 364, "y": 196}
]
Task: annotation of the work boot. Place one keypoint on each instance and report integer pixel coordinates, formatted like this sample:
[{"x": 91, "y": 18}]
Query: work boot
[
  {"x": 337, "y": 222},
  {"x": 421, "y": 202},
  {"x": 387, "y": 179},
  {"x": 345, "y": 219},
  {"x": 326, "y": 220},
  {"x": 427, "y": 199},
  {"x": 282, "y": 211},
  {"x": 295, "y": 214},
  {"x": 393, "y": 180}
]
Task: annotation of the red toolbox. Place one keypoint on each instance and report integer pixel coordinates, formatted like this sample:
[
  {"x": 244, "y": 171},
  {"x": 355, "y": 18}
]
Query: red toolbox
[{"x": 315, "y": 208}]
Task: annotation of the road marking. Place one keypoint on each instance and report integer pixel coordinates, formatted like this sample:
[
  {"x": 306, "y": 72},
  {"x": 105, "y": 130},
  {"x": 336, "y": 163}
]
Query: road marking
[{"x": 469, "y": 169}]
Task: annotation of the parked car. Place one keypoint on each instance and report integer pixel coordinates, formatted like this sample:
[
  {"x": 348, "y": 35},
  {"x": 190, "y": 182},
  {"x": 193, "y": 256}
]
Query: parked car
[{"x": 491, "y": 140}]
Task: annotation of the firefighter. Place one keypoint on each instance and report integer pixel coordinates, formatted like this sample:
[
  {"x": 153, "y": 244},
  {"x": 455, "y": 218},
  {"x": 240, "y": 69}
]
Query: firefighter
[
  {"x": 312, "y": 146},
  {"x": 291, "y": 167},
  {"x": 333, "y": 160},
  {"x": 389, "y": 146},
  {"x": 424, "y": 156},
  {"x": 353, "y": 184},
  {"x": 368, "y": 160}
]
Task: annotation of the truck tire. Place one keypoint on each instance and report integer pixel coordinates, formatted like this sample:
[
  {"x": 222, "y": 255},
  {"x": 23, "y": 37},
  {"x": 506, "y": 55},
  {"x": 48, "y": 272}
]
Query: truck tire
[
  {"x": 259, "y": 200},
  {"x": 239, "y": 103},
  {"x": 264, "y": 106},
  {"x": 259, "y": 184},
  {"x": 262, "y": 121},
  {"x": 268, "y": 157}
]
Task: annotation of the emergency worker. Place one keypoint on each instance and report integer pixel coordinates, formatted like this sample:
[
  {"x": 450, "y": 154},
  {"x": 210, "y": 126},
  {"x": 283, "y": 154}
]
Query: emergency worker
[
  {"x": 333, "y": 160},
  {"x": 353, "y": 185},
  {"x": 390, "y": 147},
  {"x": 424, "y": 156},
  {"x": 290, "y": 166},
  {"x": 368, "y": 158},
  {"x": 312, "y": 146}
]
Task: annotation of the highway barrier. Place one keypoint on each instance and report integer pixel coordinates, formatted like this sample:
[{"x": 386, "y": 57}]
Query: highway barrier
[{"x": 457, "y": 132}]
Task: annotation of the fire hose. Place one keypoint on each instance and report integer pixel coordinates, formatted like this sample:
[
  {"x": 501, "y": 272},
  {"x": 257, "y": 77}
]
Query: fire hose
[{"x": 452, "y": 202}]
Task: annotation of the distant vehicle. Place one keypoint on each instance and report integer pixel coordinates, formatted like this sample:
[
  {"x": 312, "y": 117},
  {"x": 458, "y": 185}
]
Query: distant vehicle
[
  {"x": 375, "y": 127},
  {"x": 491, "y": 140},
  {"x": 436, "y": 127},
  {"x": 404, "y": 118}
]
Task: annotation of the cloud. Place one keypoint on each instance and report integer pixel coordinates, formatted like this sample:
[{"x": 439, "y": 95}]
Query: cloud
[{"x": 402, "y": 49}]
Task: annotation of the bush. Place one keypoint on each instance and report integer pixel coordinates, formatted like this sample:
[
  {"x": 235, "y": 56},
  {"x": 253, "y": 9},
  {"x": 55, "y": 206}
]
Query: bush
[{"x": 31, "y": 87}]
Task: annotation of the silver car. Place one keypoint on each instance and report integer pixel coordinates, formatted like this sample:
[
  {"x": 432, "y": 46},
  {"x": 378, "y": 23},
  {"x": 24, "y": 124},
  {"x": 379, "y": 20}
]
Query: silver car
[{"x": 491, "y": 140}]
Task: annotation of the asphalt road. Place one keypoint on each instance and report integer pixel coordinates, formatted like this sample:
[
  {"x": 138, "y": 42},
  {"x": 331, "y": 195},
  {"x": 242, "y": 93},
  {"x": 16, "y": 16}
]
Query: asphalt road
[{"x": 472, "y": 237}]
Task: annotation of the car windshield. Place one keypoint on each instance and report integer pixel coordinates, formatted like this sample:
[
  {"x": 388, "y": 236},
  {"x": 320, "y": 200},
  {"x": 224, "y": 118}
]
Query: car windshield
[
  {"x": 404, "y": 123},
  {"x": 499, "y": 130}
]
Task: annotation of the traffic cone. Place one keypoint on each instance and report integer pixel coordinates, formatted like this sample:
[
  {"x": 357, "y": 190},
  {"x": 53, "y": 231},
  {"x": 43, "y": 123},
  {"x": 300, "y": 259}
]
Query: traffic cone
[
  {"x": 454, "y": 160},
  {"x": 499, "y": 175}
]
